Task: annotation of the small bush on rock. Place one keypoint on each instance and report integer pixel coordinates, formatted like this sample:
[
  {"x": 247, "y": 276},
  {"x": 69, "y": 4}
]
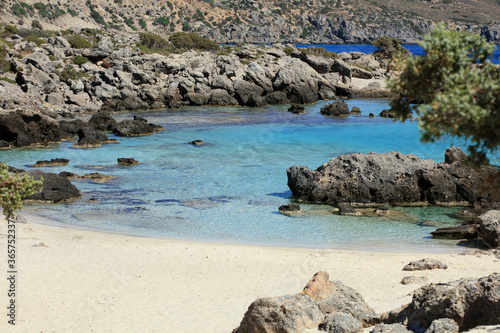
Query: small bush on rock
[
  {"x": 188, "y": 41},
  {"x": 79, "y": 42}
]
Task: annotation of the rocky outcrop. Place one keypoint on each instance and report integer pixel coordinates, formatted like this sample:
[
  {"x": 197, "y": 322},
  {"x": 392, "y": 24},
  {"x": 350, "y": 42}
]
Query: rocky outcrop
[
  {"x": 335, "y": 109},
  {"x": 468, "y": 302},
  {"x": 55, "y": 188},
  {"x": 322, "y": 303},
  {"x": 27, "y": 128},
  {"x": 52, "y": 162},
  {"x": 489, "y": 228},
  {"x": 102, "y": 121},
  {"x": 389, "y": 178},
  {"x": 127, "y": 161},
  {"x": 137, "y": 127}
]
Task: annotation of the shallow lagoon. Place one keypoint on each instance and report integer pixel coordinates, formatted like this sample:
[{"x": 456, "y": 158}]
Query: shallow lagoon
[{"x": 230, "y": 190}]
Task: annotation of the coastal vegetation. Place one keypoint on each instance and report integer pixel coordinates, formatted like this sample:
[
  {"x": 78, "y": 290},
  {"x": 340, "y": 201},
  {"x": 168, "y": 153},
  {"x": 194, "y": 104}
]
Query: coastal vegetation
[
  {"x": 458, "y": 87},
  {"x": 14, "y": 187}
]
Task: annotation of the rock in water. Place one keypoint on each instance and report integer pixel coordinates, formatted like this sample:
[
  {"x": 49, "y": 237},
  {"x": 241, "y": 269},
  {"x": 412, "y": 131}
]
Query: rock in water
[
  {"x": 52, "y": 162},
  {"x": 102, "y": 121},
  {"x": 297, "y": 109},
  {"x": 290, "y": 208},
  {"x": 469, "y": 302},
  {"x": 389, "y": 178},
  {"x": 337, "y": 108},
  {"x": 425, "y": 264},
  {"x": 489, "y": 228},
  {"x": 55, "y": 188},
  {"x": 306, "y": 310},
  {"x": 127, "y": 161}
]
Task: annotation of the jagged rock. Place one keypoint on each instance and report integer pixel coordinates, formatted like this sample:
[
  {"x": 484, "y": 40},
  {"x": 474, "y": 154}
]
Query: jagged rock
[
  {"x": 390, "y": 328},
  {"x": 388, "y": 178},
  {"x": 305, "y": 310},
  {"x": 489, "y": 228},
  {"x": 133, "y": 128},
  {"x": 454, "y": 154},
  {"x": 414, "y": 279},
  {"x": 221, "y": 98},
  {"x": 245, "y": 91},
  {"x": 52, "y": 162},
  {"x": 424, "y": 264},
  {"x": 443, "y": 325},
  {"x": 127, "y": 161},
  {"x": 90, "y": 138},
  {"x": 28, "y": 127},
  {"x": 387, "y": 114},
  {"x": 102, "y": 121},
  {"x": 468, "y": 231},
  {"x": 197, "y": 98},
  {"x": 70, "y": 128},
  {"x": 297, "y": 109},
  {"x": 355, "y": 110},
  {"x": 339, "y": 322},
  {"x": 469, "y": 302},
  {"x": 289, "y": 208},
  {"x": 337, "y": 108},
  {"x": 55, "y": 188},
  {"x": 346, "y": 209}
]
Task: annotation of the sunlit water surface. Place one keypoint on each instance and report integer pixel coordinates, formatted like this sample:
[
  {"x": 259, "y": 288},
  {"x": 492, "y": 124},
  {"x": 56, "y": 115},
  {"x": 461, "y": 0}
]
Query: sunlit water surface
[{"x": 230, "y": 189}]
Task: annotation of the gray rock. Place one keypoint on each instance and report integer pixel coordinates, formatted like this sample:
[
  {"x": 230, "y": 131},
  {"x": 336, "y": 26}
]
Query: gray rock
[
  {"x": 297, "y": 109},
  {"x": 468, "y": 231},
  {"x": 90, "y": 138},
  {"x": 414, "y": 279},
  {"x": 469, "y": 302},
  {"x": 246, "y": 91},
  {"x": 443, "y": 325},
  {"x": 454, "y": 154},
  {"x": 346, "y": 209},
  {"x": 390, "y": 328},
  {"x": 127, "y": 161},
  {"x": 55, "y": 188},
  {"x": 102, "y": 121},
  {"x": 335, "y": 109},
  {"x": 425, "y": 264},
  {"x": 196, "y": 98},
  {"x": 306, "y": 310},
  {"x": 133, "y": 128},
  {"x": 339, "y": 322},
  {"x": 489, "y": 228},
  {"x": 289, "y": 208},
  {"x": 52, "y": 162},
  {"x": 71, "y": 127},
  {"x": 221, "y": 98},
  {"x": 355, "y": 110}
]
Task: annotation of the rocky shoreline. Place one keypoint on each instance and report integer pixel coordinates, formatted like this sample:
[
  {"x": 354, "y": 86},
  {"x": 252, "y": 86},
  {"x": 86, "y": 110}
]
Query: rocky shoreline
[{"x": 116, "y": 75}]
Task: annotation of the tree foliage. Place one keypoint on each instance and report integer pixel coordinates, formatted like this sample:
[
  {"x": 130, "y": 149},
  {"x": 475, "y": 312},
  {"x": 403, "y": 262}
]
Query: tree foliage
[
  {"x": 457, "y": 87},
  {"x": 14, "y": 187},
  {"x": 388, "y": 48},
  {"x": 184, "y": 40}
]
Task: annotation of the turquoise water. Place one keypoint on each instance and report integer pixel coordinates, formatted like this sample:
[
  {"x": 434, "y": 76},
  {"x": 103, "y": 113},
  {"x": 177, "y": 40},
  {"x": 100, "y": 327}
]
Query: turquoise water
[{"x": 230, "y": 189}]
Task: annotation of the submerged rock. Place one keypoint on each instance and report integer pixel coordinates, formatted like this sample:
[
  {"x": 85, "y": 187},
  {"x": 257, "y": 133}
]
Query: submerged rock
[{"x": 290, "y": 208}]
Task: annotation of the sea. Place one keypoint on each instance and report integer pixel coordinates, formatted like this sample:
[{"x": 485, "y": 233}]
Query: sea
[{"x": 230, "y": 189}]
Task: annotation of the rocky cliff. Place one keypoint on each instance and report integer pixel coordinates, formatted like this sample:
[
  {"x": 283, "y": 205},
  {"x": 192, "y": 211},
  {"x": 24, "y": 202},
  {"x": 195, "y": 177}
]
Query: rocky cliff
[{"x": 261, "y": 21}]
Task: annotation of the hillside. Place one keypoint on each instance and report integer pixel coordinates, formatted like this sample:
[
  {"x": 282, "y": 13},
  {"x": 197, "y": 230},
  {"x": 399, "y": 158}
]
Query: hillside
[{"x": 262, "y": 21}]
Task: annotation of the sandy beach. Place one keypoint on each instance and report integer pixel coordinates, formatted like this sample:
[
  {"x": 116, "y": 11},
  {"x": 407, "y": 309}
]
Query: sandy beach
[{"x": 72, "y": 280}]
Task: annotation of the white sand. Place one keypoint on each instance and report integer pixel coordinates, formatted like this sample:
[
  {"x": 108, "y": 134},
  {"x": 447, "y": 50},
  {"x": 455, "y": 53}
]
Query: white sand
[{"x": 86, "y": 281}]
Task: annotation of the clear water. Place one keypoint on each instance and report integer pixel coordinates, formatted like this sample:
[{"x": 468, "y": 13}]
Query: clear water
[
  {"x": 230, "y": 190},
  {"x": 367, "y": 48}
]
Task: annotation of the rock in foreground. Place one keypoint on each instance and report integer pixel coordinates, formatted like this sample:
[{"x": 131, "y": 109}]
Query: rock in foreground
[
  {"x": 55, "y": 188},
  {"x": 469, "y": 302},
  {"x": 322, "y": 302}
]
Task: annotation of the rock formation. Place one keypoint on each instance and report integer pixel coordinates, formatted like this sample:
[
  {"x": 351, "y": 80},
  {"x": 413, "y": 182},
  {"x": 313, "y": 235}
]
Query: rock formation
[{"x": 389, "y": 178}]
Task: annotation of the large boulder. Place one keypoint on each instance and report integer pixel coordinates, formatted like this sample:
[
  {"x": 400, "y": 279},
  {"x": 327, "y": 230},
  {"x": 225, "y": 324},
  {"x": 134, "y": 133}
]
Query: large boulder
[
  {"x": 55, "y": 188},
  {"x": 314, "y": 306},
  {"x": 469, "y": 302},
  {"x": 388, "y": 178},
  {"x": 136, "y": 127},
  {"x": 90, "y": 138},
  {"x": 27, "y": 128},
  {"x": 489, "y": 228},
  {"x": 102, "y": 121},
  {"x": 337, "y": 108}
]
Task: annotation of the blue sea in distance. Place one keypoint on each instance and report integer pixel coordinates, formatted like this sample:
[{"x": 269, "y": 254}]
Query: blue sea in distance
[
  {"x": 367, "y": 48},
  {"x": 230, "y": 190}
]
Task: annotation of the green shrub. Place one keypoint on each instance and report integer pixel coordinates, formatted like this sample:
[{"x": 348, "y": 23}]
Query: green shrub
[
  {"x": 35, "y": 24},
  {"x": 162, "y": 20},
  {"x": 79, "y": 60},
  {"x": 142, "y": 23},
  {"x": 72, "y": 12},
  {"x": 319, "y": 51},
  {"x": 79, "y": 42},
  {"x": 288, "y": 50},
  {"x": 184, "y": 40},
  {"x": 388, "y": 47},
  {"x": 130, "y": 23},
  {"x": 3, "y": 78},
  {"x": 38, "y": 41},
  {"x": 69, "y": 73},
  {"x": 11, "y": 29},
  {"x": 48, "y": 11},
  {"x": 185, "y": 26},
  {"x": 151, "y": 43}
]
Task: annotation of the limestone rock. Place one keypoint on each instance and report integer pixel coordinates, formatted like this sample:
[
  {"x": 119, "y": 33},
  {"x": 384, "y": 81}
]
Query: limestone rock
[
  {"x": 425, "y": 264},
  {"x": 414, "y": 279},
  {"x": 339, "y": 322},
  {"x": 390, "y": 328},
  {"x": 337, "y": 108},
  {"x": 489, "y": 228}
]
